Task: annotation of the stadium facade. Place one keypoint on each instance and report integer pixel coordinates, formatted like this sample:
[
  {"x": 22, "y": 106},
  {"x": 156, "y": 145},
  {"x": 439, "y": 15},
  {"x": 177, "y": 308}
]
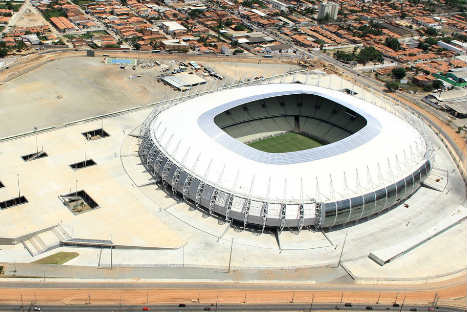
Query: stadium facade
[{"x": 369, "y": 159}]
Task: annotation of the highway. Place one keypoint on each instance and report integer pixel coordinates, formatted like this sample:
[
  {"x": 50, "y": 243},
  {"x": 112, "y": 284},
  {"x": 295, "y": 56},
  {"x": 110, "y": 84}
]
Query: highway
[{"x": 231, "y": 307}]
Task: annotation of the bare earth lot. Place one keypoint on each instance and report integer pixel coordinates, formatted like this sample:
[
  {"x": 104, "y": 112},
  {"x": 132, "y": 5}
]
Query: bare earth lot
[
  {"x": 236, "y": 70},
  {"x": 74, "y": 88}
]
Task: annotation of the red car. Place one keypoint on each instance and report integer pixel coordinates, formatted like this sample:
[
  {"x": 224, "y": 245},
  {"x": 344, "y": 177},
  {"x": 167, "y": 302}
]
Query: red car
[{"x": 145, "y": 308}]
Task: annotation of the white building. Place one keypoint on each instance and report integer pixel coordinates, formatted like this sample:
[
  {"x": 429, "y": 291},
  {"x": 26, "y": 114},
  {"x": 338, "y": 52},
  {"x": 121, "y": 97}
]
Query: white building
[
  {"x": 328, "y": 8},
  {"x": 225, "y": 50},
  {"x": 450, "y": 47},
  {"x": 279, "y": 5},
  {"x": 32, "y": 39},
  {"x": 171, "y": 27},
  {"x": 284, "y": 20},
  {"x": 258, "y": 12}
]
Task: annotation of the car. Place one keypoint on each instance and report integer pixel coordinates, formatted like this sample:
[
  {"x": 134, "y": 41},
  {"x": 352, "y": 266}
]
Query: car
[
  {"x": 182, "y": 305},
  {"x": 395, "y": 305},
  {"x": 413, "y": 309},
  {"x": 36, "y": 308},
  {"x": 347, "y": 304},
  {"x": 369, "y": 308},
  {"x": 145, "y": 308}
]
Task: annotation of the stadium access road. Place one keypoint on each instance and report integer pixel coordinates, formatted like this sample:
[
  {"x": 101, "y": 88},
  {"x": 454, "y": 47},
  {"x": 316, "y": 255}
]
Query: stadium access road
[
  {"x": 449, "y": 292},
  {"x": 234, "y": 307}
]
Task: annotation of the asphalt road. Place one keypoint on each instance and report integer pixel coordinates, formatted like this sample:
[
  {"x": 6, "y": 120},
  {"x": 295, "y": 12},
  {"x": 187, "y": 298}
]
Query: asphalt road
[
  {"x": 115, "y": 284},
  {"x": 232, "y": 307}
]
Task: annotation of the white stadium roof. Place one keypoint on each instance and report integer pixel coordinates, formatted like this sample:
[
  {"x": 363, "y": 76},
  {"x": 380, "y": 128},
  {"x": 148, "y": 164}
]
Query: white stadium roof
[{"x": 386, "y": 150}]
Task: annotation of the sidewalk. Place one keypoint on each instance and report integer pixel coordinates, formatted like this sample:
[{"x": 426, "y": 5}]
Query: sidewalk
[{"x": 174, "y": 273}]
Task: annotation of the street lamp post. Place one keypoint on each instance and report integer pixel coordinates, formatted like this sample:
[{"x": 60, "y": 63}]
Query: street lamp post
[
  {"x": 230, "y": 256},
  {"x": 342, "y": 250},
  {"x": 19, "y": 190},
  {"x": 402, "y": 305},
  {"x": 35, "y": 134}
]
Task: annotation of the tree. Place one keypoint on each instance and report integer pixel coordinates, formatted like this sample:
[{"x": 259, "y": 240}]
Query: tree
[
  {"x": 427, "y": 88},
  {"x": 239, "y": 27},
  {"x": 369, "y": 54},
  {"x": 461, "y": 37},
  {"x": 399, "y": 73},
  {"x": 309, "y": 11},
  {"x": 392, "y": 43},
  {"x": 3, "y": 52},
  {"x": 392, "y": 86},
  {"x": 376, "y": 25},
  {"x": 220, "y": 24},
  {"x": 430, "y": 31},
  {"x": 20, "y": 45},
  {"x": 250, "y": 3},
  {"x": 324, "y": 19},
  {"x": 345, "y": 57},
  {"x": 156, "y": 44},
  {"x": 437, "y": 84},
  {"x": 424, "y": 46},
  {"x": 134, "y": 43},
  {"x": 446, "y": 39},
  {"x": 431, "y": 41},
  {"x": 195, "y": 13},
  {"x": 111, "y": 46}
]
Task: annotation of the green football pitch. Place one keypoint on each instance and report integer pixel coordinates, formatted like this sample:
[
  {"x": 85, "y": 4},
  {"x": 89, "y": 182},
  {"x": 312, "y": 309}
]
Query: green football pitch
[{"x": 284, "y": 143}]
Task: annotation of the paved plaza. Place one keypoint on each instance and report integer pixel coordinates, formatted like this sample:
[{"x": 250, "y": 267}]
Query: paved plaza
[{"x": 148, "y": 227}]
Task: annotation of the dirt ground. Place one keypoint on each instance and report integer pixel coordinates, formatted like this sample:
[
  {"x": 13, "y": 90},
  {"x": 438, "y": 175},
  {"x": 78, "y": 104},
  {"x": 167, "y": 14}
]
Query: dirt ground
[
  {"x": 238, "y": 70},
  {"x": 55, "y": 90},
  {"x": 453, "y": 295},
  {"x": 30, "y": 18},
  {"x": 71, "y": 89}
]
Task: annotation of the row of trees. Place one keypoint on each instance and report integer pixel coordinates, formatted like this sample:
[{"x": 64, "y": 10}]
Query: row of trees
[
  {"x": 52, "y": 11},
  {"x": 395, "y": 85},
  {"x": 399, "y": 73},
  {"x": 250, "y": 3},
  {"x": 392, "y": 43},
  {"x": 10, "y": 6},
  {"x": 20, "y": 45},
  {"x": 365, "y": 55},
  {"x": 373, "y": 29}
]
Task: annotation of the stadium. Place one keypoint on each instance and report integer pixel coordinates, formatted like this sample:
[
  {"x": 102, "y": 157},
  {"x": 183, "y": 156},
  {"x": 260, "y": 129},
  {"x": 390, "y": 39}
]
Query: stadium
[{"x": 284, "y": 156}]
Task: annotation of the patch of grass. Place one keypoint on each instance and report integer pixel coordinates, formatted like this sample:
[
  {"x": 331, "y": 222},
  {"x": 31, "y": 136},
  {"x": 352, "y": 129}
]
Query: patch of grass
[
  {"x": 49, "y": 13},
  {"x": 10, "y": 6},
  {"x": 284, "y": 143},
  {"x": 58, "y": 258},
  {"x": 83, "y": 2}
]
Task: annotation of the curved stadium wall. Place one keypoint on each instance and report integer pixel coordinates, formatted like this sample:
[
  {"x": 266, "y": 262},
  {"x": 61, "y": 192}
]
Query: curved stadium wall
[{"x": 306, "y": 112}]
